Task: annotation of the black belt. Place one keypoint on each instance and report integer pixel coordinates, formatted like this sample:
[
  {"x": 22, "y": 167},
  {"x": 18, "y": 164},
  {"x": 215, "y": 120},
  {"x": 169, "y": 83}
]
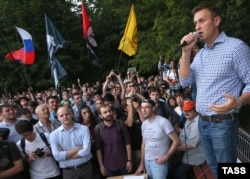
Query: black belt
[
  {"x": 77, "y": 166},
  {"x": 219, "y": 117}
]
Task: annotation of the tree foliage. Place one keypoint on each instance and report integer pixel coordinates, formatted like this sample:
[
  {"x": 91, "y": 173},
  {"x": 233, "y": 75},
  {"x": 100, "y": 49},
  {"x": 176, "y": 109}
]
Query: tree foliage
[{"x": 161, "y": 24}]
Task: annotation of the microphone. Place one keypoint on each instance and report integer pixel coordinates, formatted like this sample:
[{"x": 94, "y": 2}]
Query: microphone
[{"x": 185, "y": 43}]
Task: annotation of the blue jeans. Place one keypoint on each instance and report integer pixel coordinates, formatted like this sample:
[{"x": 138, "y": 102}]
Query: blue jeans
[
  {"x": 219, "y": 142},
  {"x": 156, "y": 171}
]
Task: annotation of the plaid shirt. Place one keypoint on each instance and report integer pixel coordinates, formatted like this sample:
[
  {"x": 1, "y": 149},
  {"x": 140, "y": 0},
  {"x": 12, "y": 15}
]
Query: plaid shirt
[{"x": 223, "y": 68}]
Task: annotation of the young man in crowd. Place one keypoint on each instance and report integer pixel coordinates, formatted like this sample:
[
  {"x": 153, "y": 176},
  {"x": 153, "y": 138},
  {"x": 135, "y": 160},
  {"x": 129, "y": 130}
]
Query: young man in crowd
[
  {"x": 112, "y": 143},
  {"x": 158, "y": 144},
  {"x": 9, "y": 120},
  {"x": 37, "y": 151},
  {"x": 71, "y": 146}
]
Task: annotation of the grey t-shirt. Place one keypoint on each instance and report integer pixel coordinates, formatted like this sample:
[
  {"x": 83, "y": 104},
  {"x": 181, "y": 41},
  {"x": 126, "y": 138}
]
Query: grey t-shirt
[{"x": 155, "y": 134}]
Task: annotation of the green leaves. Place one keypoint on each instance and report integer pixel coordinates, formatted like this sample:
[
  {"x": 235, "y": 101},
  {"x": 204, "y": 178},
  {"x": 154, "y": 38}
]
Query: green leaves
[{"x": 161, "y": 25}]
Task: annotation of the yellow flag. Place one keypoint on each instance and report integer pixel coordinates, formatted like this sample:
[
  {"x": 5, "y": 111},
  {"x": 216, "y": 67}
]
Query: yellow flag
[{"x": 128, "y": 43}]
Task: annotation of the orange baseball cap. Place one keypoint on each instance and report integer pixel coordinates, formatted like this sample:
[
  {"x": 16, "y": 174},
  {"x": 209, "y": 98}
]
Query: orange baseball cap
[{"x": 188, "y": 105}]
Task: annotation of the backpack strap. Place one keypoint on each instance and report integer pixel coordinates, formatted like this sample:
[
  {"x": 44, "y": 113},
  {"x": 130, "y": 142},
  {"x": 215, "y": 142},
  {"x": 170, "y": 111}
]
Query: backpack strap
[
  {"x": 119, "y": 124},
  {"x": 23, "y": 146},
  {"x": 99, "y": 129},
  {"x": 43, "y": 137}
]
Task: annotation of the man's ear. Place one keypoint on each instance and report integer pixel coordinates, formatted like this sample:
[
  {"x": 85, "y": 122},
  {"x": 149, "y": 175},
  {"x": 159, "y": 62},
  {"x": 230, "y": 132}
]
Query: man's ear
[{"x": 217, "y": 21}]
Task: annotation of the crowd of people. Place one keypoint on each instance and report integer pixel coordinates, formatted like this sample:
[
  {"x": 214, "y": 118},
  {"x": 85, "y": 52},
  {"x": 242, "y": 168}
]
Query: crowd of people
[
  {"x": 162, "y": 125},
  {"x": 98, "y": 126}
]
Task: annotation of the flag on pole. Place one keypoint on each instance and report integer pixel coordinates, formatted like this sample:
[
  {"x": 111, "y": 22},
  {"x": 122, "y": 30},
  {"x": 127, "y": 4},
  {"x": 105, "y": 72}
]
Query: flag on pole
[
  {"x": 128, "y": 43},
  {"x": 88, "y": 34},
  {"x": 25, "y": 54},
  {"x": 55, "y": 41}
]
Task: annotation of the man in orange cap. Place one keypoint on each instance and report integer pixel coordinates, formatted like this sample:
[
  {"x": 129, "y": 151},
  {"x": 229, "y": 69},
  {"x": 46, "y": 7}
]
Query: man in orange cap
[{"x": 190, "y": 142}]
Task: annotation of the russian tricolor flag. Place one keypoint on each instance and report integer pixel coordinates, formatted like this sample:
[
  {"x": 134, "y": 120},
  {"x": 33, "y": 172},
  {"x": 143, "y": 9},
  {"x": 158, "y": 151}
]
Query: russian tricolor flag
[{"x": 25, "y": 54}]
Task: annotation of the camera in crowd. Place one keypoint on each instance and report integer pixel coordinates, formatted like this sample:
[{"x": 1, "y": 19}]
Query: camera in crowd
[{"x": 39, "y": 152}]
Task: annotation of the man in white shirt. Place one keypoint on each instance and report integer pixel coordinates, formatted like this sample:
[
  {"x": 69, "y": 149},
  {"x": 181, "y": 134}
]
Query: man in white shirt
[
  {"x": 41, "y": 162},
  {"x": 9, "y": 120},
  {"x": 71, "y": 146}
]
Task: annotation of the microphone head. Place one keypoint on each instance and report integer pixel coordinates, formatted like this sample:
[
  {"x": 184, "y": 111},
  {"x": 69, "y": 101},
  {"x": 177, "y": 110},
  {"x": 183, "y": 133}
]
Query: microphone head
[{"x": 196, "y": 34}]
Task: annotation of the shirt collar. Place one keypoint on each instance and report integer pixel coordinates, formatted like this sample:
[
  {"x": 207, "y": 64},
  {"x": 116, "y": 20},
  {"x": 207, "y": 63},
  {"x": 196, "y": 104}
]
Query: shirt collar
[
  {"x": 8, "y": 124},
  {"x": 220, "y": 39},
  {"x": 75, "y": 126},
  {"x": 40, "y": 124}
]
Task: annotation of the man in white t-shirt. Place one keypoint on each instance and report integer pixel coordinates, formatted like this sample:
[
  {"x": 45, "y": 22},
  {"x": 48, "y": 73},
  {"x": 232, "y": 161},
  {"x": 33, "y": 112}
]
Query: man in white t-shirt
[
  {"x": 42, "y": 164},
  {"x": 159, "y": 142}
]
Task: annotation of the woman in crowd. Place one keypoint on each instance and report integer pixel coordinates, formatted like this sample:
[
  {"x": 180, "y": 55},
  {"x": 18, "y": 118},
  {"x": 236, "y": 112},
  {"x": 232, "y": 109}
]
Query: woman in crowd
[
  {"x": 87, "y": 118},
  {"x": 173, "y": 79},
  {"x": 172, "y": 102}
]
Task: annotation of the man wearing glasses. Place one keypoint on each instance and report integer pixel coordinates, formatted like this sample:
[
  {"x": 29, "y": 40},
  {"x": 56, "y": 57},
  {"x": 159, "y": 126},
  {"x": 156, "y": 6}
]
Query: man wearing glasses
[{"x": 158, "y": 144}]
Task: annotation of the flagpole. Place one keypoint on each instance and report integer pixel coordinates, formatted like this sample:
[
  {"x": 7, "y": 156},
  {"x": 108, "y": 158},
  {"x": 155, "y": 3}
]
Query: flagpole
[
  {"x": 120, "y": 55},
  {"x": 124, "y": 35},
  {"x": 26, "y": 76},
  {"x": 57, "y": 83}
]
